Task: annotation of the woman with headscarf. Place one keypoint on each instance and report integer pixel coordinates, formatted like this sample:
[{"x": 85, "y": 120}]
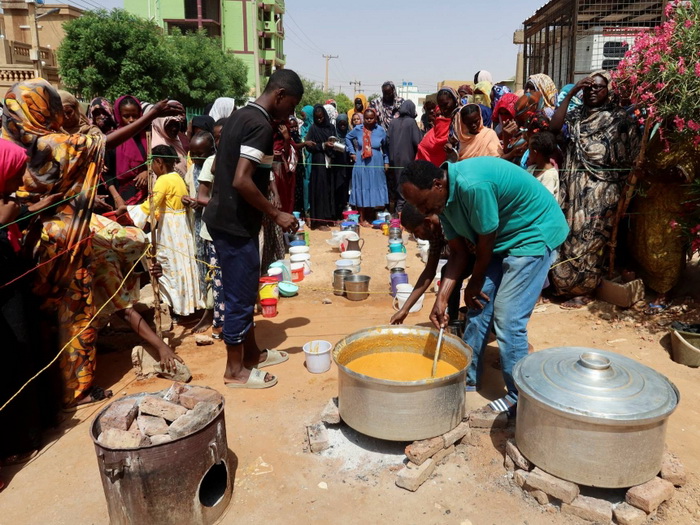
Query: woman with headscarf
[
  {"x": 603, "y": 144},
  {"x": 342, "y": 127},
  {"x": 325, "y": 179},
  {"x": 332, "y": 112},
  {"x": 222, "y": 108},
  {"x": 367, "y": 146},
  {"x": 132, "y": 172},
  {"x": 482, "y": 93},
  {"x": 504, "y": 111},
  {"x": 575, "y": 100},
  {"x": 403, "y": 138},
  {"x": 434, "y": 145},
  {"x": 486, "y": 115},
  {"x": 475, "y": 139},
  {"x": 200, "y": 123},
  {"x": 483, "y": 76},
  {"x": 168, "y": 131},
  {"x": 359, "y": 106},
  {"x": 74, "y": 120},
  {"x": 543, "y": 84},
  {"x": 514, "y": 139},
  {"x": 68, "y": 165},
  {"x": 101, "y": 114},
  {"x": 466, "y": 94}
]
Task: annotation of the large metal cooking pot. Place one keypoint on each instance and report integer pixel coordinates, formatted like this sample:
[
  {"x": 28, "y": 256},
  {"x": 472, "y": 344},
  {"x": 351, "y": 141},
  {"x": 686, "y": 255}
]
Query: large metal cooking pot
[
  {"x": 401, "y": 410},
  {"x": 592, "y": 417}
]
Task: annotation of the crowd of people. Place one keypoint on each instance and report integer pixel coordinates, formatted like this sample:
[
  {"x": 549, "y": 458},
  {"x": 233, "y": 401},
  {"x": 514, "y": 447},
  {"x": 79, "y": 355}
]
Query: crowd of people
[{"x": 93, "y": 199}]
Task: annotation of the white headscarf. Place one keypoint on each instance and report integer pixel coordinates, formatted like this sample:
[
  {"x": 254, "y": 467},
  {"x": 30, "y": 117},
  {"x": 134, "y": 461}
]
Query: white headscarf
[{"x": 222, "y": 108}]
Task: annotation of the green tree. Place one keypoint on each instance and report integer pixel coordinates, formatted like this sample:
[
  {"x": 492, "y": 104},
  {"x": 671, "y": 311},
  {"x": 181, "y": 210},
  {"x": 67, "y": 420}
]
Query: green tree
[
  {"x": 205, "y": 72},
  {"x": 115, "y": 53}
]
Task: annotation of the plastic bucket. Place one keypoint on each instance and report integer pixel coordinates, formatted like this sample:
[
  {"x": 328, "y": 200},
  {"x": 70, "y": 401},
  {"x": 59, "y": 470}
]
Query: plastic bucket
[
  {"x": 347, "y": 214},
  {"x": 303, "y": 258},
  {"x": 286, "y": 270},
  {"x": 397, "y": 247},
  {"x": 295, "y": 250},
  {"x": 297, "y": 272},
  {"x": 268, "y": 288},
  {"x": 318, "y": 356},
  {"x": 269, "y": 307},
  {"x": 403, "y": 292}
]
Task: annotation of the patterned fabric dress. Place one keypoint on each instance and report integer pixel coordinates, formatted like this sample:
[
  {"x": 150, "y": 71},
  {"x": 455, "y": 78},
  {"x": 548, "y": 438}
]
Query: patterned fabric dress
[
  {"x": 603, "y": 145},
  {"x": 68, "y": 164}
]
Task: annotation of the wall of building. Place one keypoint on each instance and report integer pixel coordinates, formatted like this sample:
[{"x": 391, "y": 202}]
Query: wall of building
[{"x": 51, "y": 32}]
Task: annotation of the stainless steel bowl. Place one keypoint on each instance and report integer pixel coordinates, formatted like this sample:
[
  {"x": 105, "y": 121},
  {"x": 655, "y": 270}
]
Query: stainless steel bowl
[{"x": 401, "y": 410}]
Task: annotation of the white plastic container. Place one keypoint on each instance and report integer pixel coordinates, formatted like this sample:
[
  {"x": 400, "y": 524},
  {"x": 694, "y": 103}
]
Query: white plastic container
[
  {"x": 318, "y": 356},
  {"x": 295, "y": 250},
  {"x": 351, "y": 254},
  {"x": 403, "y": 292},
  {"x": 305, "y": 259}
]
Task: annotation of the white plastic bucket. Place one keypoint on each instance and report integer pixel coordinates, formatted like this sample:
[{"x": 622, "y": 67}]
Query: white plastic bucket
[
  {"x": 318, "y": 356},
  {"x": 302, "y": 258},
  {"x": 394, "y": 260},
  {"x": 403, "y": 292},
  {"x": 295, "y": 250}
]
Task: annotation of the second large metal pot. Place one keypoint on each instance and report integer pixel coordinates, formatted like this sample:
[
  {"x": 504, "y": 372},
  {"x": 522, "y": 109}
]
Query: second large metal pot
[
  {"x": 592, "y": 417},
  {"x": 401, "y": 410}
]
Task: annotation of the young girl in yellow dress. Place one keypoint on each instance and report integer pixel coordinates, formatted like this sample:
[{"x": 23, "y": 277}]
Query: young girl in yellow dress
[{"x": 176, "y": 253}]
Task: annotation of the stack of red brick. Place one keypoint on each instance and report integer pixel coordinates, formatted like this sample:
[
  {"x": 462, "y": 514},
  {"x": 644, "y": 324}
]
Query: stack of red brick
[
  {"x": 641, "y": 502},
  {"x": 157, "y": 418}
]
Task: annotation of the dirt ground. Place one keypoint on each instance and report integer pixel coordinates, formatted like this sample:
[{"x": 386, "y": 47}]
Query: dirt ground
[{"x": 278, "y": 481}]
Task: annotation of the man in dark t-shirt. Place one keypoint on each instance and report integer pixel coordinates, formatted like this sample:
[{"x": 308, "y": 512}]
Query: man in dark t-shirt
[{"x": 233, "y": 217}]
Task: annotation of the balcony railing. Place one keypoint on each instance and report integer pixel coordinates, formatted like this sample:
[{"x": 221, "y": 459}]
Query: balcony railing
[{"x": 19, "y": 53}]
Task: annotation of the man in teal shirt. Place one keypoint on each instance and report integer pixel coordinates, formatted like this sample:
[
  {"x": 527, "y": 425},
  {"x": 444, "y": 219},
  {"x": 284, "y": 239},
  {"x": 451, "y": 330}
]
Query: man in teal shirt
[{"x": 516, "y": 225}]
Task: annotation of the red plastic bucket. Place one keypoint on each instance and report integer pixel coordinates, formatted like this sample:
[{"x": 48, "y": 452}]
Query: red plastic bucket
[
  {"x": 297, "y": 273},
  {"x": 269, "y": 307}
]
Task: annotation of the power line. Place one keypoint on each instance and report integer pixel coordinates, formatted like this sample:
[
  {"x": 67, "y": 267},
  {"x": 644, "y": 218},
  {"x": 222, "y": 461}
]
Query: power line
[{"x": 291, "y": 19}]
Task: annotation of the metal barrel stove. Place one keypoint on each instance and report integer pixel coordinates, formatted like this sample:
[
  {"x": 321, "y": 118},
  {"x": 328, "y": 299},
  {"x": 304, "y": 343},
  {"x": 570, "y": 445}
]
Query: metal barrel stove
[{"x": 187, "y": 480}]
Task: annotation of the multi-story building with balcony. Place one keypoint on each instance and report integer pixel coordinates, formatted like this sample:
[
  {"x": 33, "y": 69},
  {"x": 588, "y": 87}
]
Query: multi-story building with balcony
[{"x": 253, "y": 30}]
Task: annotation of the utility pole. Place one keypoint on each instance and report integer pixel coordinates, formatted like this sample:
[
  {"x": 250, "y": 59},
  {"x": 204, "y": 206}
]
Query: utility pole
[
  {"x": 356, "y": 87},
  {"x": 35, "y": 53},
  {"x": 328, "y": 59}
]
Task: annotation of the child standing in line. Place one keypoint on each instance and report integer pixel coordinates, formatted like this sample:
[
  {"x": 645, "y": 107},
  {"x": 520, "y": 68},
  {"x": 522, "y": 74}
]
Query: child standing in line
[
  {"x": 543, "y": 146},
  {"x": 176, "y": 253}
]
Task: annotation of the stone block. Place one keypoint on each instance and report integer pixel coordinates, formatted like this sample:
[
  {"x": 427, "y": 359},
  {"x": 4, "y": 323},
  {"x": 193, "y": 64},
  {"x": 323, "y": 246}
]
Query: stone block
[
  {"x": 508, "y": 464},
  {"x": 173, "y": 393},
  {"x": 419, "y": 451},
  {"x": 160, "y": 439},
  {"x": 193, "y": 420},
  {"x": 152, "y": 425},
  {"x": 487, "y": 418},
  {"x": 116, "y": 438},
  {"x": 457, "y": 433},
  {"x": 520, "y": 477},
  {"x": 318, "y": 437},
  {"x": 648, "y": 496},
  {"x": 541, "y": 497},
  {"x": 444, "y": 453},
  {"x": 119, "y": 415},
  {"x": 203, "y": 340},
  {"x": 330, "y": 414},
  {"x": 514, "y": 453},
  {"x": 672, "y": 470},
  {"x": 157, "y": 406},
  {"x": 413, "y": 476},
  {"x": 626, "y": 514},
  {"x": 193, "y": 395},
  {"x": 589, "y": 509},
  {"x": 555, "y": 487}
]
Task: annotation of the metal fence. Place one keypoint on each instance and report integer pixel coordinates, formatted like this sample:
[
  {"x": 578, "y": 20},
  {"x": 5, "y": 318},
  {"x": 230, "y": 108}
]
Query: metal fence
[{"x": 568, "y": 39}]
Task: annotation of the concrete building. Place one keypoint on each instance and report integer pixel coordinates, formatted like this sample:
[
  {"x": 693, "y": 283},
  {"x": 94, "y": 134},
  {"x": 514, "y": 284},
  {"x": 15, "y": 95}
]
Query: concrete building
[
  {"x": 253, "y": 30},
  {"x": 17, "y": 49}
]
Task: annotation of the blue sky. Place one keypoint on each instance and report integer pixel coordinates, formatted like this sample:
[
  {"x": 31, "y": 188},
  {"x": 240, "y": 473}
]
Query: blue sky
[{"x": 423, "y": 41}]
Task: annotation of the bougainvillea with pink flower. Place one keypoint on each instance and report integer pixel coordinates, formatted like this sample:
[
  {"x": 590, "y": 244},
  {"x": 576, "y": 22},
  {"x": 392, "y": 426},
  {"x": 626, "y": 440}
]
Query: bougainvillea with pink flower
[{"x": 661, "y": 72}]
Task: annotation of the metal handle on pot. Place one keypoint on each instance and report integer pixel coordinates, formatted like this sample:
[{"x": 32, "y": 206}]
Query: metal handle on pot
[
  {"x": 214, "y": 450},
  {"x": 594, "y": 361},
  {"x": 114, "y": 470}
]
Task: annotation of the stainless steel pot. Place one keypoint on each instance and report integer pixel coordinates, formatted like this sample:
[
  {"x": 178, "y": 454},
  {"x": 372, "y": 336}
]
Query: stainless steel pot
[
  {"x": 339, "y": 277},
  {"x": 401, "y": 410},
  {"x": 592, "y": 417},
  {"x": 356, "y": 287}
]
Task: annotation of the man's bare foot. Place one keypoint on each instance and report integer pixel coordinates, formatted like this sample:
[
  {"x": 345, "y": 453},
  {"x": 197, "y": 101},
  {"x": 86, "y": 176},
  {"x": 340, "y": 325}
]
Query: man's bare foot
[
  {"x": 576, "y": 303},
  {"x": 243, "y": 377},
  {"x": 204, "y": 323},
  {"x": 365, "y": 224}
]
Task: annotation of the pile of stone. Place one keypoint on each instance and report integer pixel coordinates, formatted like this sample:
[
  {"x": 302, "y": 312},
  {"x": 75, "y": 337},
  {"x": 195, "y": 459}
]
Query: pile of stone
[
  {"x": 158, "y": 418},
  {"x": 641, "y": 502},
  {"x": 422, "y": 457}
]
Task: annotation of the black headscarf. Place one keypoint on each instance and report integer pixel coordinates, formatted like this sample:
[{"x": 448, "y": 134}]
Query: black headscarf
[
  {"x": 203, "y": 122},
  {"x": 320, "y": 133}
]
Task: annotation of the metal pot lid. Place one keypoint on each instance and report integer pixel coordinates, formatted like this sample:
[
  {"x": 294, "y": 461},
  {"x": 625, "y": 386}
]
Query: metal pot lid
[{"x": 594, "y": 384}]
